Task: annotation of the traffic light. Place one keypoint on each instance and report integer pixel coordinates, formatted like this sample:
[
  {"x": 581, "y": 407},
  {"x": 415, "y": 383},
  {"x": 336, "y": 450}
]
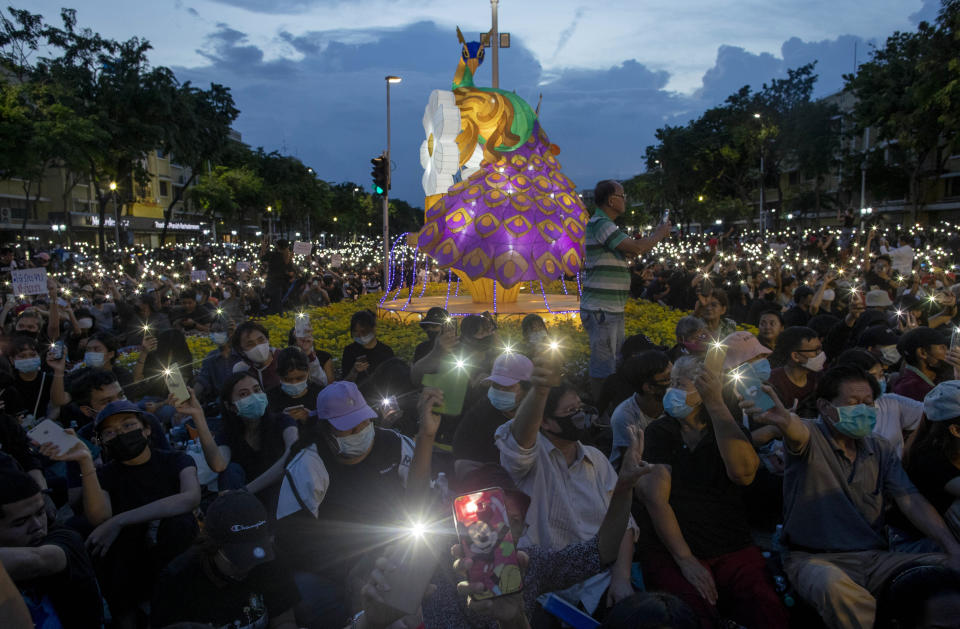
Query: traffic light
[{"x": 379, "y": 173}]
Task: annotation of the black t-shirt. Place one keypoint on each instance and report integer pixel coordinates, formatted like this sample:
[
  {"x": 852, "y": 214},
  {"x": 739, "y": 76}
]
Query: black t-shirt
[
  {"x": 132, "y": 486},
  {"x": 21, "y": 396},
  {"x": 278, "y": 400},
  {"x": 795, "y": 316},
  {"x": 708, "y": 505},
  {"x": 256, "y": 462},
  {"x": 422, "y": 349},
  {"x": 361, "y": 510},
  {"x": 72, "y": 594},
  {"x": 473, "y": 438},
  {"x": 185, "y": 592},
  {"x": 930, "y": 474},
  {"x": 380, "y": 353}
]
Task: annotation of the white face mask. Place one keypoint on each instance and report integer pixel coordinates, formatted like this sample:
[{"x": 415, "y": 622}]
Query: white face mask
[
  {"x": 817, "y": 362},
  {"x": 259, "y": 354},
  {"x": 85, "y": 323},
  {"x": 93, "y": 359},
  {"x": 365, "y": 340},
  {"x": 889, "y": 355},
  {"x": 356, "y": 444}
]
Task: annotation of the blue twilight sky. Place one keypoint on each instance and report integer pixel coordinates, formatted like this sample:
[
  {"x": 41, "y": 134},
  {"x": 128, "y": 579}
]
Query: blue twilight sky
[{"x": 308, "y": 75}]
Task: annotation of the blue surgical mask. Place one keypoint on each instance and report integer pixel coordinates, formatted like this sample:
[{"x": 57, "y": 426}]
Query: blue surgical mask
[
  {"x": 219, "y": 338},
  {"x": 293, "y": 389},
  {"x": 856, "y": 421},
  {"x": 675, "y": 403},
  {"x": 365, "y": 340},
  {"x": 883, "y": 385},
  {"x": 252, "y": 406},
  {"x": 502, "y": 400},
  {"x": 761, "y": 369},
  {"x": 27, "y": 365},
  {"x": 93, "y": 359}
]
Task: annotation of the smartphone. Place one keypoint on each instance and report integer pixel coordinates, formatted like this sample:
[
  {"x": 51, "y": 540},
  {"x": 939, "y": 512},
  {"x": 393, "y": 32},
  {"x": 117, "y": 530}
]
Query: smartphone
[
  {"x": 484, "y": 531},
  {"x": 955, "y": 338},
  {"x": 294, "y": 408},
  {"x": 748, "y": 384},
  {"x": 56, "y": 350},
  {"x": 176, "y": 385},
  {"x": 49, "y": 431},
  {"x": 301, "y": 326},
  {"x": 416, "y": 562}
]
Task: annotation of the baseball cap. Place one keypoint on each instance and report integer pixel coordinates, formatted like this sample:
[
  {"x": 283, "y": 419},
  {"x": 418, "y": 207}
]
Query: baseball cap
[
  {"x": 116, "y": 408},
  {"x": 341, "y": 404},
  {"x": 741, "y": 347},
  {"x": 919, "y": 337},
  {"x": 510, "y": 368},
  {"x": 237, "y": 522},
  {"x": 878, "y": 299},
  {"x": 878, "y": 335},
  {"x": 435, "y": 316},
  {"x": 943, "y": 402}
]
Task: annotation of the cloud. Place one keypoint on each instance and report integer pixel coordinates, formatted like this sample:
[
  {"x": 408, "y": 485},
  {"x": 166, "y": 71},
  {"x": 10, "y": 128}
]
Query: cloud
[
  {"x": 927, "y": 13},
  {"x": 568, "y": 32}
]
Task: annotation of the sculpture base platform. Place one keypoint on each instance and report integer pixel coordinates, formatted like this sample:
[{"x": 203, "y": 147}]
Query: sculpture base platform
[{"x": 560, "y": 307}]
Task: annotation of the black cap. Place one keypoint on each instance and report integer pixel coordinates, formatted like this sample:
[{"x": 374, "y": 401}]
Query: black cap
[
  {"x": 237, "y": 522},
  {"x": 801, "y": 292},
  {"x": 878, "y": 336},
  {"x": 917, "y": 338},
  {"x": 435, "y": 316}
]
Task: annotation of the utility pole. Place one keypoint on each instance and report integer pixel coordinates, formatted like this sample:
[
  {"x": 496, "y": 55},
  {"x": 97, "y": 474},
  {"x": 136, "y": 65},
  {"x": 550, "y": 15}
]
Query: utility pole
[
  {"x": 386, "y": 195},
  {"x": 495, "y": 44}
]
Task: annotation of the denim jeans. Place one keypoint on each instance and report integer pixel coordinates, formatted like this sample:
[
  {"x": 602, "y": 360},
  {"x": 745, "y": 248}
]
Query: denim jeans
[{"x": 605, "y": 330}]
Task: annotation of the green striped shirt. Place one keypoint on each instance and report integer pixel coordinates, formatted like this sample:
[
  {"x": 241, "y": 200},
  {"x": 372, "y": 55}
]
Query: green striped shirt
[{"x": 606, "y": 273}]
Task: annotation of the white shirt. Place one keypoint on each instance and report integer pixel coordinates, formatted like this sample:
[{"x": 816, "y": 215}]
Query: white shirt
[
  {"x": 896, "y": 414},
  {"x": 626, "y": 414},
  {"x": 901, "y": 258},
  {"x": 567, "y": 502}
]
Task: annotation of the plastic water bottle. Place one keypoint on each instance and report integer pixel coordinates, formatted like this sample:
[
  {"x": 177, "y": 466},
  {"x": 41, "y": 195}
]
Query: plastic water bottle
[
  {"x": 443, "y": 486},
  {"x": 783, "y": 588}
]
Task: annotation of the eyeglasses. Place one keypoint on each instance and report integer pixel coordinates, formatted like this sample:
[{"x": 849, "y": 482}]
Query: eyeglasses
[
  {"x": 816, "y": 350},
  {"x": 622, "y": 196}
]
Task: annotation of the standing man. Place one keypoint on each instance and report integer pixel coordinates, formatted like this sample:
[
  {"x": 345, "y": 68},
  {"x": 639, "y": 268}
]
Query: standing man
[{"x": 606, "y": 278}]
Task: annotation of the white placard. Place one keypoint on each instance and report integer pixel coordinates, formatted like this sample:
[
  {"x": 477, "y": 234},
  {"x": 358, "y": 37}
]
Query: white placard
[
  {"x": 302, "y": 248},
  {"x": 243, "y": 266},
  {"x": 29, "y": 281},
  {"x": 336, "y": 261},
  {"x": 198, "y": 276}
]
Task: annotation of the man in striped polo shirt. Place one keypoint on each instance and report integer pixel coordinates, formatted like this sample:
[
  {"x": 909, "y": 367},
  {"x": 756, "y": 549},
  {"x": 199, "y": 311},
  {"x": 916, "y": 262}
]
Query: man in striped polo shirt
[{"x": 606, "y": 279}]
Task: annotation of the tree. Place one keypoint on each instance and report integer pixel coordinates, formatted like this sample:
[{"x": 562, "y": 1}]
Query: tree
[{"x": 908, "y": 92}]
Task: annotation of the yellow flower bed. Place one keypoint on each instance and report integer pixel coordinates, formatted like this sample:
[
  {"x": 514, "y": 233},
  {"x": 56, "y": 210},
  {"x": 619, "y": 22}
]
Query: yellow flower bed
[{"x": 331, "y": 330}]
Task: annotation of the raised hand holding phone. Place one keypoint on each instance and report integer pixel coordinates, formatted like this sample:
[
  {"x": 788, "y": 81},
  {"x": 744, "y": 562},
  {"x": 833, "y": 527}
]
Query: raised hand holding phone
[
  {"x": 175, "y": 384},
  {"x": 52, "y": 439}
]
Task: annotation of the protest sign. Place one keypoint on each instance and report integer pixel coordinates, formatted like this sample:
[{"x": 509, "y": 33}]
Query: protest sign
[
  {"x": 29, "y": 281},
  {"x": 302, "y": 248},
  {"x": 198, "y": 276}
]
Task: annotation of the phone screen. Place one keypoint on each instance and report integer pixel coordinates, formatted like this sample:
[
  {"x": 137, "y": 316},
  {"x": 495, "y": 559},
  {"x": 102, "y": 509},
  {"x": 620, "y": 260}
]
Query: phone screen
[
  {"x": 955, "y": 338},
  {"x": 484, "y": 531},
  {"x": 176, "y": 385}
]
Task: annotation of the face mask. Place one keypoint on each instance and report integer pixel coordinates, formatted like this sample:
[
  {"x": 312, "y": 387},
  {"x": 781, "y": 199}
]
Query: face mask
[
  {"x": 126, "y": 445},
  {"x": 260, "y": 353},
  {"x": 694, "y": 347},
  {"x": 293, "y": 389},
  {"x": 356, "y": 444},
  {"x": 226, "y": 294},
  {"x": 883, "y": 385},
  {"x": 93, "y": 359},
  {"x": 252, "y": 406},
  {"x": 502, "y": 400},
  {"x": 889, "y": 355},
  {"x": 574, "y": 427},
  {"x": 816, "y": 363},
  {"x": 538, "y": 338},
  {"x": 365, "y": 340},
  {"x": 27, "y": 365},
  {"x": 856, "y": 421},
  {"x": 198, "y": 298},
  {"x": 675, "y": 403},
  {"x": 761, "y": 369},
  {"x": 219, "y": 338},
  {"x": 85, "y": 323}
]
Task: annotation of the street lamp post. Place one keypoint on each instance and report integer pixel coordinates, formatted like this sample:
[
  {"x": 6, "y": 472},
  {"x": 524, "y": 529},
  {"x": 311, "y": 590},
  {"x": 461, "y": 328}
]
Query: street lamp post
[
  {"x": 386, "y": 193},
  {"x": 763, "y": 222},
  {"x": 116, "y": 214}
]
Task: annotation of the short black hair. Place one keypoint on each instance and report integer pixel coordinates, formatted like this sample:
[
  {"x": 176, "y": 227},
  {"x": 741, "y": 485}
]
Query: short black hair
[
  {"x": 641, "y": 369},
  {"x": 530, "y": 322},
  {"x": 21, "y": 342},
  {"x": 771, "y": 310},
  {"x": 363, "y": 317},
  {"x": 791, "y": 339},
  {"x": 16, "y": 486},
  {"x": 109, "y": 340},
  {"x": 859, "y": 357},
  {"x": 603, "y": 191},
  {"x": 85, "y": 380},
  {"x": 829, "y": 386},
  {"x": 291, "y": 359},
  {"x": 243, "y": 328}
]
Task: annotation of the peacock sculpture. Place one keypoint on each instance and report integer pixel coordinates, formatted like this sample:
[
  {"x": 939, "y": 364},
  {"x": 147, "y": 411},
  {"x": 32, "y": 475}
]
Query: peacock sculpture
[{"x": 512, "y": 216}]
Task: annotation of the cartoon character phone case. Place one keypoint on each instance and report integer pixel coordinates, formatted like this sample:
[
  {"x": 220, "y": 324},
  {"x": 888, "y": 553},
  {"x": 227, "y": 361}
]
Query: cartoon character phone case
[{"x": 484, "y": 531}]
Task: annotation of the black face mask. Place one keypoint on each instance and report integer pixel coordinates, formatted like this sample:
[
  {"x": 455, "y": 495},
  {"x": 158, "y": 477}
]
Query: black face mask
[
  {"x": 126, "y": 445},
  {"x": 575, "y": 427}
]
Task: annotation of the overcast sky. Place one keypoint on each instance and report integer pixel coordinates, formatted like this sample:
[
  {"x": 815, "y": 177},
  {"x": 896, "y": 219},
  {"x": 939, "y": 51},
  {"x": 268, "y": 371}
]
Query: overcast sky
[{"x": 308, "y": 75}]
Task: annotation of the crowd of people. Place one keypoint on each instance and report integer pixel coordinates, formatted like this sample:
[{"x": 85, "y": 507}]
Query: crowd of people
[{"x": 806, "y": 474}]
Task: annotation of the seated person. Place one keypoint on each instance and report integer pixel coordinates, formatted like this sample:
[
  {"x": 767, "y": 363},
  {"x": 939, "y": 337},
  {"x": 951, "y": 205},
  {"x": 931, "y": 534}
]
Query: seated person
[
  {"x": 48, "y": 564},
  {"x": 100, "y": 352},
  {"x": 697, "y": 542},
  {"x": 534, "y": 332},
  {"x": 839, "y": 481},
  {"x": 251, "y": 343},
  {"x": 366, "y": 353},
  {"x": 231, "y": 564},
  {"x": 509, "y": 382},
  {"x": 693, "y": 337},
  {"x": 296, "y": 396},
  {"x": 770, "y": 327},
  {"x": 216, "y": 367},
  {"x": 139, "y": 487},
  {"x": 618, "y": 386},
  {"x": 253, "y": 442},
  {"x": 649, "y": 375},
  {"x": 800, "y": 352},
  {"x": 320, "y": 363},
  {"x": 925, "y": 353},
  {"x": 149, "y": 387},
  {"x": 189, "y": 317},
  {"x": 15, "y": 444},
  {"x": 432, "y": 323},
  {"x": 29, "y": 394}
]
